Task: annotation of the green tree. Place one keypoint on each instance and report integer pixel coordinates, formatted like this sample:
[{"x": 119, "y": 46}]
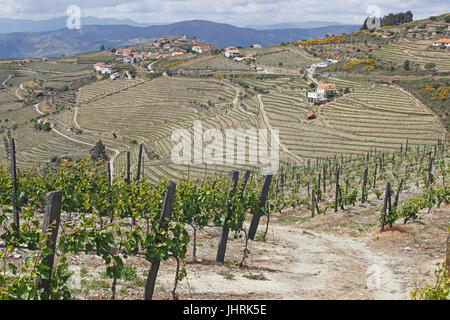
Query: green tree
[
  {"x": 430, "y": 66},
  {"x": 99, "y": 152},
  {"x": 407, "y": 65}
]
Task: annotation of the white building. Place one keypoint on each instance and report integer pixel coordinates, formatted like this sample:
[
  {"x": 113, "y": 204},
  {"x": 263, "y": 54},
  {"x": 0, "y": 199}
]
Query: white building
[
  {"x": 98, "y": 66},
  {"x": 322, "y": 93},
  {"x": 231, "y": 53},
  {"x": 114, "y": 76},
  {"x": 200, "y": 49},
  {"x": 106, "y": 68},
  {"x": 441, "y": 43}
]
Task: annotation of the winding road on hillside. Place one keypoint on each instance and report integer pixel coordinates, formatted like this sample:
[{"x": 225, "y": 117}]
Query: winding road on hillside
[
  {"x": 111, "y": 162},
  {"x": 6, "y": 80}
]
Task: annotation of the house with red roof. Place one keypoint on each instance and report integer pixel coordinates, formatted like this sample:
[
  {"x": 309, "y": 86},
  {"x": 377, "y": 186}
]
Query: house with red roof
[
  {"x": 442, "y": 43},
  {"x": 98, "y": 66},
  {"x": 200, "y": 49},
  {"x": 323, "y": 92},
  {"x": 231, "y": 53},
  {"x": 106, "y": 68}
]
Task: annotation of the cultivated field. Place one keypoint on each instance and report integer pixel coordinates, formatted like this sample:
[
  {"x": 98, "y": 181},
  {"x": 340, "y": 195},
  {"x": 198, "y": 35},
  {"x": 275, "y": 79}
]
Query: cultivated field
[
  {"x": 417, "y": 52},
  {"x": 131, "y": 112},
  {"x": 285, "y": 57},
  {"x": 56, "y": 67},
  {"x": 215, "y": 64}
]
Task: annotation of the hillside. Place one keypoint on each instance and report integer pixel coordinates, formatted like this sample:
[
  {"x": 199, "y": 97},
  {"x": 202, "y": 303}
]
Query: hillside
[
  {"x": 353, "y": 200},
  {"x": 90, "y": 37}
]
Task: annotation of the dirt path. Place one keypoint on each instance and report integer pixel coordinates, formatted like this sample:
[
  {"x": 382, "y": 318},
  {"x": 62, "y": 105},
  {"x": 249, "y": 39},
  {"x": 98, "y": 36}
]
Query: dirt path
[
  {"x": 6, "y": 80},
  {"x": 299, "y": 264},
  {"x": 111, "y": 162}
]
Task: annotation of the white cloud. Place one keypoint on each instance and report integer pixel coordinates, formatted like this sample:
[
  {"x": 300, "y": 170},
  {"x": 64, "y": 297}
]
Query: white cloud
[{"x": 237, "y": 12}]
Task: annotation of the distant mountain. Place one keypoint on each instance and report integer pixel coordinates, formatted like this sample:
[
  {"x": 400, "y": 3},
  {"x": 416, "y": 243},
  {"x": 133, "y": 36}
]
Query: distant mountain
[
  {"x": 301, "y": 25},
  {"x": 18, "y": 25},
  {"x": 90, "y": 37}
]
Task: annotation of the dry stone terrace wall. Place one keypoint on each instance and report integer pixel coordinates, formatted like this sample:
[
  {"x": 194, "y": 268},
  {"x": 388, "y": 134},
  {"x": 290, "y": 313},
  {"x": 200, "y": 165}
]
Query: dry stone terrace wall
[
  {"x": 416, "y": 52},
  {"x": 370, "y": 117}
]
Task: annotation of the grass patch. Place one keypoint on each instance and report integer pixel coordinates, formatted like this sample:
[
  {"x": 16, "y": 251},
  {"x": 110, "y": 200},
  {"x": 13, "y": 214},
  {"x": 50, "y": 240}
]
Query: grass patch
[
  {"x": 95, "y": 284},
  {"x": 290, "y": 219},
  {"x": 227, "y": 275},
  {"x": 255, "y": 276}
]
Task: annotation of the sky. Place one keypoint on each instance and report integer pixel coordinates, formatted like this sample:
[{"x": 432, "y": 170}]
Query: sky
[{"x": 236, "y": 12}]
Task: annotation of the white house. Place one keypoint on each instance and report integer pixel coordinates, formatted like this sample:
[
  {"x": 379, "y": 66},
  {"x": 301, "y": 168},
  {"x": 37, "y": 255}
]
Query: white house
[
  {"x": 200, "y": 49},
  {"x": 98, "y": 66},
  {"x": 322, "y": 93},
  {"x": 231, "y": 53},
  {"x": 114, "y": 76},
  {"x": 442, "y": 43},
  {"x": 106, "y": 68},
  {"x": 255, "y": 46}
]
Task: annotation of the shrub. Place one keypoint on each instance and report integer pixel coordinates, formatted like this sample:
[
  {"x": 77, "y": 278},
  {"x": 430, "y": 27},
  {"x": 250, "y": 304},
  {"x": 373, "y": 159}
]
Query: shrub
[
  {"x": 99, "y": 152},
  {"x": 430, "y": 66},
  {"x": 407, "y": 65},
  {"x": 438, "y": 291}
]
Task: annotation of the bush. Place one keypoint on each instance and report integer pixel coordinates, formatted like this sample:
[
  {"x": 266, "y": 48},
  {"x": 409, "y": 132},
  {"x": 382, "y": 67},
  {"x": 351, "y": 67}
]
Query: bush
[
  {"x": 99, "y": 152},
  {"x": 438, "y": 291},
  {"x": 410, "y": 209},
  {"x": 430, "y": 66},
  {"x": 42, "y": 126},
  {"x": 407, "y": 65}
]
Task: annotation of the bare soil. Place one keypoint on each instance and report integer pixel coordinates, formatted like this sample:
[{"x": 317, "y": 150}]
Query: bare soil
[{"x": 333, "y": 256}]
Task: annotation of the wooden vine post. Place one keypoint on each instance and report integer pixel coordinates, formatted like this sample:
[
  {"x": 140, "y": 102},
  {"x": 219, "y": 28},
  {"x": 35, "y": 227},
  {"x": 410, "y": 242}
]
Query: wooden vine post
[
  {"x": 385, "y": 205},
  {"x": 53, "y": 204},
  {"x": 375, "y": 176},
  {"x": 138, "y": 174},
  {"x": 337, "y": 191},
  {"x": 313, "y": 204},
  {"x": 164, "y": 218},
  {"x": 398, "y": 193},
  {"x": 109, "y": 172},
  {"x": 262, "y": 203},
  {"x": 244, "y": 184},
  {"x": 318, "y": 188},
  {"x": 430, "y": 170},
  {"x": 225, "y": 230},
  {"x": 128, "y": 166},
  {"x": 14, "y": 183},
  {"x": 363, "y": 196}
]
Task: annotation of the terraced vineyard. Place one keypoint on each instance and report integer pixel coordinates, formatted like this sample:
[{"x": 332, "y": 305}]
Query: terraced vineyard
[
  {"x": 370, "y": 117},
  {"x": 150, "y": 111},
  {"x": 56, "y": 67},
  {"x": 104, "y": 88},
  {"x": 380, "y": 117},
  {"x": 415, "y": 51},
  {"x": 33, "y": 147},
  {"x": 287, "y": 58},
  {"x": 66, "y": 80},
  {"x": 216, "y": 64}
]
